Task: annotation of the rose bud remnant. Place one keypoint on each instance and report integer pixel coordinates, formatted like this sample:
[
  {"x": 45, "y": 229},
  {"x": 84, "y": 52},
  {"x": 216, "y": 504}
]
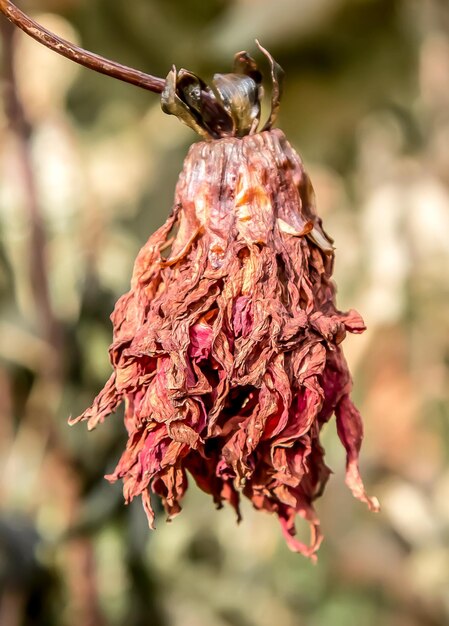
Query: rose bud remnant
[{"x": 227, "y": 349}]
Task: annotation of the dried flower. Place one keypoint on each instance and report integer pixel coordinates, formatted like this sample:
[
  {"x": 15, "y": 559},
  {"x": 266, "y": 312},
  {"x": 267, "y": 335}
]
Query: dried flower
[{"x": 226, "y": 350}]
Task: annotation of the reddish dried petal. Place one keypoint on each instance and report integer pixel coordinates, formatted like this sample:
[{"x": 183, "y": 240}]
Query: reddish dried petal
[
  {"x": 104, "y": 404},
  {"x": 226, "y": 350},
  {"x": 350, "y": 431}
]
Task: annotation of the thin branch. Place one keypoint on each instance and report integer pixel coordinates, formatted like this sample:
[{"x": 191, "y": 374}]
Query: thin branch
[{"x": 79, "y": 55}]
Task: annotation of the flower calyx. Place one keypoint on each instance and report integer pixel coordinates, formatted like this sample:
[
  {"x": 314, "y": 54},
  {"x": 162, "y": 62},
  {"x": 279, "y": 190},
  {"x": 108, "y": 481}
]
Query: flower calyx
[{"x": 231, "y": 106}]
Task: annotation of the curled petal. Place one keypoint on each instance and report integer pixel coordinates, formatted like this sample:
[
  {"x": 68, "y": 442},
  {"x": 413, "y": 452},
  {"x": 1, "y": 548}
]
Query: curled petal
[{"x": 350, "y": 431}]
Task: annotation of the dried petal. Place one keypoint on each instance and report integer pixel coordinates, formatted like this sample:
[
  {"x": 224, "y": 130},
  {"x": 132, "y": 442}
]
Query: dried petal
[{"x": 226, "y": 350}]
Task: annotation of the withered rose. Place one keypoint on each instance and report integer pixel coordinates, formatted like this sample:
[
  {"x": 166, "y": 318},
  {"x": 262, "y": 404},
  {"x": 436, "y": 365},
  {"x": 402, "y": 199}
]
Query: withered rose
[{"x": 226, "y": 350}]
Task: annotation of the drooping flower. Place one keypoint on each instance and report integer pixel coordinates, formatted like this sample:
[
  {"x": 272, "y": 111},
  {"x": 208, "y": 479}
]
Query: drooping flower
[{"x": 227, "y": 349}]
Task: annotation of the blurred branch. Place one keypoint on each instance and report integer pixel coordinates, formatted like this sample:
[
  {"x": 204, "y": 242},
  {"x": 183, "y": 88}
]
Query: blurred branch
[
  {"x": 22, "y": 131},
  {"x": 79, "y": 55}
]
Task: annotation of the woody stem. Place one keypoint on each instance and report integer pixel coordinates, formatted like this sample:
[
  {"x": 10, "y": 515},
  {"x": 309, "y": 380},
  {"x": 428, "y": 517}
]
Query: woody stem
[{"x": 77, "y": 54}]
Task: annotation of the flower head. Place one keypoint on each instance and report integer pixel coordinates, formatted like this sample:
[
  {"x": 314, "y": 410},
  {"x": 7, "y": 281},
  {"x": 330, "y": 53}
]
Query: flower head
[{"x": 226, "y": 350}]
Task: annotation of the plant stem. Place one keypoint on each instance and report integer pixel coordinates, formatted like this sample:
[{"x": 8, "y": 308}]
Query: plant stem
[{"x": 77, "y": 54}]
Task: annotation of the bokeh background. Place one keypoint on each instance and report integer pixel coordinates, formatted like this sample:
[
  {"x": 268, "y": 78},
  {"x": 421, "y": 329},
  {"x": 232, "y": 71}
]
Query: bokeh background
[{"x": 87, "y": 171}]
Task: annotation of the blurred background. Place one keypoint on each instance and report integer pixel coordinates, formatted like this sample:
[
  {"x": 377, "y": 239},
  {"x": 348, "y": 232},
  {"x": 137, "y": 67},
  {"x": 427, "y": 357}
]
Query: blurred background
[{"x": 87, "y": 171}]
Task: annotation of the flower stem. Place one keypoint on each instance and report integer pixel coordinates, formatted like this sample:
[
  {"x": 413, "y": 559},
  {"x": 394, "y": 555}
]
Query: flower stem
[{"x": 79, "y": 55}]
